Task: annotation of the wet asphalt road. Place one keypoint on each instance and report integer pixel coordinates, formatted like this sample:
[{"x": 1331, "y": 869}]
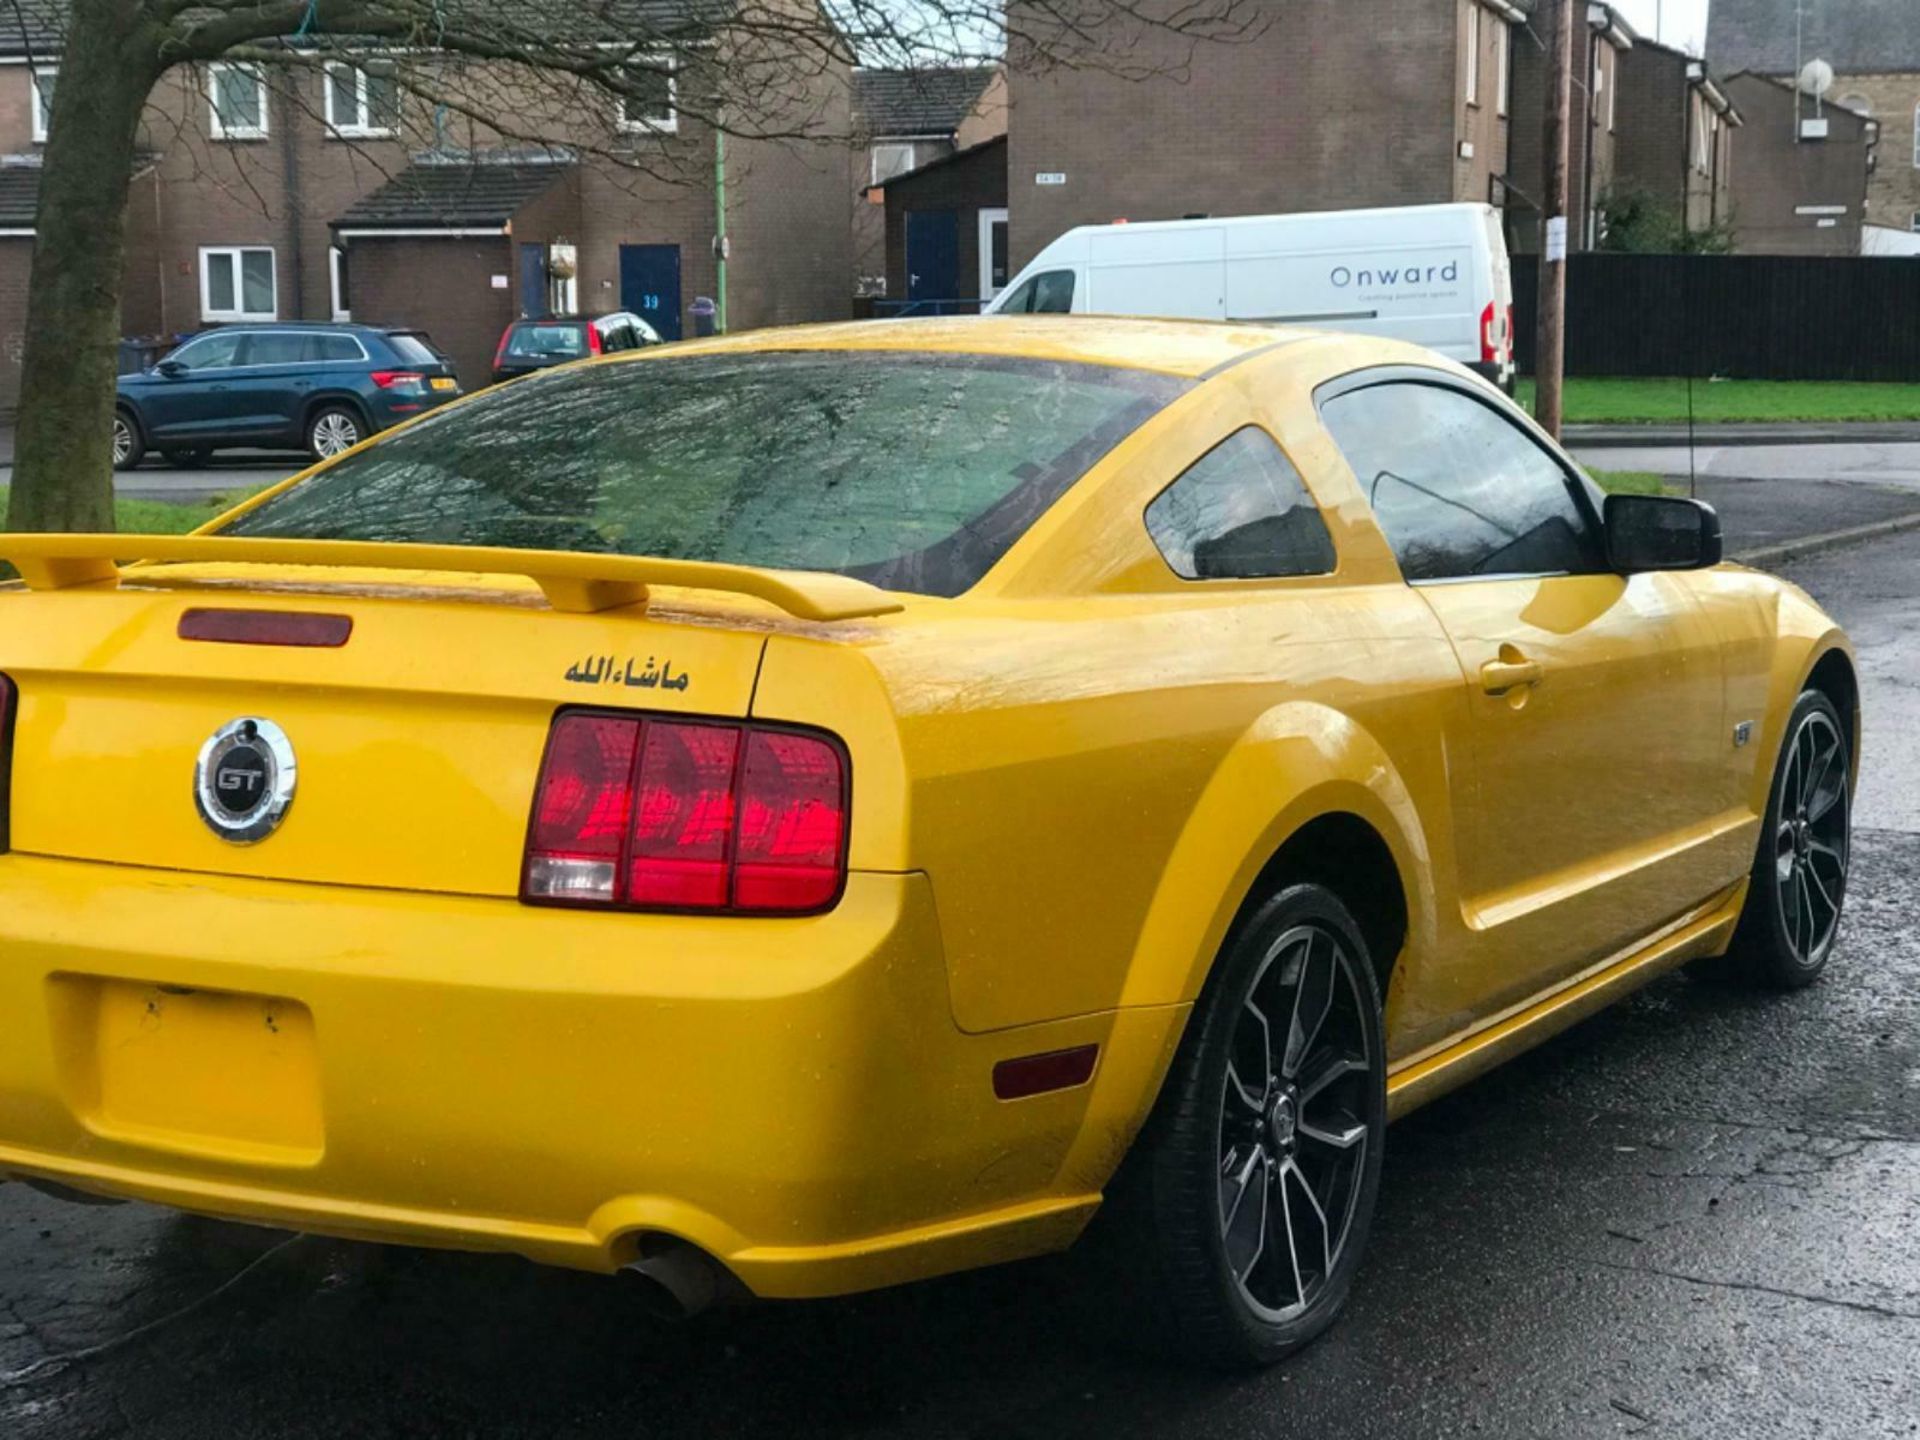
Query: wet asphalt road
[{"x": 1696, "y": 1215}]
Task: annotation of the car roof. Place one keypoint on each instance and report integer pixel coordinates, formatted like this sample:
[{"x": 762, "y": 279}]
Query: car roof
[{"x": 1191, "y": 349}]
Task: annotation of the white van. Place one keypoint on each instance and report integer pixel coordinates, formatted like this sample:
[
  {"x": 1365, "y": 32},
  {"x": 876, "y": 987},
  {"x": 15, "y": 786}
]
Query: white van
[{"x": 1437, "y": 275}]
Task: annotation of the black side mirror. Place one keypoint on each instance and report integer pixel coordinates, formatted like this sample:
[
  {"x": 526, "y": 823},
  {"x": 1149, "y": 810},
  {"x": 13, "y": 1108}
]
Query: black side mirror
[
  {"x": 1661, "y": 532},
  {"x": 172, "y": 369}
]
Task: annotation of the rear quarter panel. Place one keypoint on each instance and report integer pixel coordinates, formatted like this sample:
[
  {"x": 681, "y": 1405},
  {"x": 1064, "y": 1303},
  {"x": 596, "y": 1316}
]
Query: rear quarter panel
[{"x": 1092, "y": 760}]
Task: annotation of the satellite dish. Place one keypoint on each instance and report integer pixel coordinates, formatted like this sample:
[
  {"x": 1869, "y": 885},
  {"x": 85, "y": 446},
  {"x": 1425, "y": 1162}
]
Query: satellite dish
[{"x": 1816, "y": 79}]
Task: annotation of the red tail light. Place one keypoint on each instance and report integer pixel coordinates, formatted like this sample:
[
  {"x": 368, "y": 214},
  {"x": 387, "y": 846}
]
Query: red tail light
[
  {"x": 399, "y": 379},
  {"x": 500, "y": 350},
  {"x": 639, "y": 813},
  {"x": 594, "y": 345},
  {"x": 9, "y": 702},
  {"x": 1496, "y": 333}
]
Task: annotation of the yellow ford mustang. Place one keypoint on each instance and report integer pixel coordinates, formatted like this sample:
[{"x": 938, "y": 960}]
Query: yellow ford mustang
[{"x": 813, "y": 810}]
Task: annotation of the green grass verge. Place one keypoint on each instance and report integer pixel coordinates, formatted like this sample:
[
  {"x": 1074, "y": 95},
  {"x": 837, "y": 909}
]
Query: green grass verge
[
  {"x": 1629, "y": 482},
  {"x": 167, "y": 517},
  {"x": 1664, "y": 402}
]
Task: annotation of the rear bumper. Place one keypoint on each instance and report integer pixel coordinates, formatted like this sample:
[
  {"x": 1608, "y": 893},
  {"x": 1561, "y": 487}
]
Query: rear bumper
[{"x": 792, "y": 1096}]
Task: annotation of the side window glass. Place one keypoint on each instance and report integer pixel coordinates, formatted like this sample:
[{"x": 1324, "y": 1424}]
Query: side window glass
[
  {"x": 270, "y": 349},
  {"x": 1047, "y": 294},
  {"x": 332, "y": 349},
  {"x": 216, "y": 352},
  {"x": 1457, "y": 487},
  {"x": 1240, "y": 512}
]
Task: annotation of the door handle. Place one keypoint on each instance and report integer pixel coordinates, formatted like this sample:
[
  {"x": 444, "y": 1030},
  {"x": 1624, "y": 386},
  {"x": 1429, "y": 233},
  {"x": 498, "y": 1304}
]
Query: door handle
[{"x": 1510, "y": 672}]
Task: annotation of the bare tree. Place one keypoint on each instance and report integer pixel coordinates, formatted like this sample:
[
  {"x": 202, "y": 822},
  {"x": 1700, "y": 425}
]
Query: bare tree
[{"x": 747, "y": 68}]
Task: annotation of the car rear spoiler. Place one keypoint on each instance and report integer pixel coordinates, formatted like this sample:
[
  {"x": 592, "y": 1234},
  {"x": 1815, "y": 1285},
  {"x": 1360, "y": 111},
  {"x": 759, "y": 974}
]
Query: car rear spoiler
[{"x": 579, "y": 582}]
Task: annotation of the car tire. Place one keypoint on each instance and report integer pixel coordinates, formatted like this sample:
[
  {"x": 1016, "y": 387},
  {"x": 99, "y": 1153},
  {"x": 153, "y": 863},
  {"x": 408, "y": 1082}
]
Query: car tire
[
  {"x": 129, "y": 445},
  {"x": 1195, "y": 1267},
  {"x": 333, "y": 429},
  {"x": 1798, "y": 889},
  {"x": 193, "y": 459}
]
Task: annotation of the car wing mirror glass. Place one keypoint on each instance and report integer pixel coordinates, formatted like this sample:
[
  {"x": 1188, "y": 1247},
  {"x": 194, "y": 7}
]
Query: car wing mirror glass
[{"x": 1661, "y": 532}]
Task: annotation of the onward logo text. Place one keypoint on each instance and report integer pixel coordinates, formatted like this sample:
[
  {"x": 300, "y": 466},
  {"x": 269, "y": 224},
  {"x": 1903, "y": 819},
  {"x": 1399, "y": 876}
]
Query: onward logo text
[{"x": 1391, "y": 277}]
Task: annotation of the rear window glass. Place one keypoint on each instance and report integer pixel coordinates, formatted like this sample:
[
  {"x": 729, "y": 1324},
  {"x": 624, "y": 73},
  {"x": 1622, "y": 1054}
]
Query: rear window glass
[
  {"x": 915, "y": 472},
  {"x": 547, "y": 342},
  {"x": 333, "y": 348},
  {"x": 413, "y": 350}
]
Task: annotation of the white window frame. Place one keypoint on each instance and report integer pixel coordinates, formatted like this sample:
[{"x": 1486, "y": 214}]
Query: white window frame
[
  {"x": 336, "y": 254},
  {"x": 1597, "y": 85},
  {"x": 988, "y": 219},
  {"x": 211, "y": 315},
  {"x": 1702, "y": 156},
  {"x": 219, "y": 129},
  {"x": 671, "y": 124},
  {"x": 1473, "y": 52},
  {"x": 1916, "y": 136},
  {"x": 361, "y": 127},
  {"x": 1503, "y": 60},
  {"x": 1613, "y": 96},
  {"x": 873, "y": 159},
  {"x": 42, "y": 109}
]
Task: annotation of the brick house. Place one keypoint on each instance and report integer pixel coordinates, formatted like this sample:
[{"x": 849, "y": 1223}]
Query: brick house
[
  {"x": 1795, "y": 197},
  {"x": 1332, "y": 104},
  {"x": 1674, "y": 140},
  {"x": 946, "y": 228},
  {"x": 903, "y": 120},
  {"x": 1874, "y": 49},
  {"x": 260, "y": 197}
]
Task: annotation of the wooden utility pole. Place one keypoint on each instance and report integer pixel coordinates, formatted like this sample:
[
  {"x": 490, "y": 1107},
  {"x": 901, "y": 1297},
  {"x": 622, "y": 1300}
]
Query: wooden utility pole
[{"x": 1549, "y": 369}]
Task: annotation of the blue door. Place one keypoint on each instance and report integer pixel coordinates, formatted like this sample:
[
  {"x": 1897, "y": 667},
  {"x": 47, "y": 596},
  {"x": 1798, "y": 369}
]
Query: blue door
[
  {"x": 533, "y": 282},
  {"x": 650, "y": 286},
  {"x": 933, "y": 254}
]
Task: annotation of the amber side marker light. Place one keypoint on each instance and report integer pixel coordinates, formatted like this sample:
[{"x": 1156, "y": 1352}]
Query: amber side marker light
[
  {"x": 267, "y": 627},
  {"x": 1037, "y": 1074}
]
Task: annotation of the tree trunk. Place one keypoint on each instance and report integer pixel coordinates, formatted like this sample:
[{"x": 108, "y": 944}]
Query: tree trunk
[{"x": 63, "y": 457}]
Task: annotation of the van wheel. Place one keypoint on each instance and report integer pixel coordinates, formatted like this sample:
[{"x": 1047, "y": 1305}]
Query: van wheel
[
  {"x": 1247, "y": 1202},
  {"x": 129, "y": 448},
  {"x": 333, "y": 429}
]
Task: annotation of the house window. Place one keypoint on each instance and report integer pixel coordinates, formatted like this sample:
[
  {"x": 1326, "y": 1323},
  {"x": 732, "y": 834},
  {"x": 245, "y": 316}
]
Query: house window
[
  {"x": 890, "y": 160},
  {"x": 1503, "y": 58},
  {"x": 337, "y": 283},
  {"x": 1613, "y": 98},
  {"x": 649, "y": 103},
  {"x": 362, "y": 101},
  {"x": 43, "y": 77},
  {"x": 1916, "y": 137},
  {"x": 237, "y": 283},
  {"x": 1597, "y": 94},
  {"x": 1473, "y": 52},
  {"x": 238, "y": 98},
  {"x": 1702, "y": 139}
]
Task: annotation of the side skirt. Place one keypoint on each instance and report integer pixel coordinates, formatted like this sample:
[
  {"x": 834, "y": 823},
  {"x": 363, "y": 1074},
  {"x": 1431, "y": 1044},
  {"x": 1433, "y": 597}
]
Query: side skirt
[{"x": 1452, "y": 1063}]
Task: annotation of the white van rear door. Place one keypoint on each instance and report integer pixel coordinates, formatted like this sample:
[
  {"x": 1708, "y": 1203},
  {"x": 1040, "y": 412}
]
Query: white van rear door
[{"x": 1419, "y": 291}]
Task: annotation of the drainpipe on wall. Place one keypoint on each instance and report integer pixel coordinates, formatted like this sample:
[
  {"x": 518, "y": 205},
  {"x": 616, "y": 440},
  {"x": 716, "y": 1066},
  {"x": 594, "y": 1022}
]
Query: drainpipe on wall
[
  {"x": 720, "y": 225},
  {"x": 296, "y": 209}
]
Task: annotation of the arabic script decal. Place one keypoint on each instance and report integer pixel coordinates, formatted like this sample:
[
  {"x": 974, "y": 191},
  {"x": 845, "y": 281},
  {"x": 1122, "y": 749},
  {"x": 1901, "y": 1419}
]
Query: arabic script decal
[{"x": 608, "y": 670}]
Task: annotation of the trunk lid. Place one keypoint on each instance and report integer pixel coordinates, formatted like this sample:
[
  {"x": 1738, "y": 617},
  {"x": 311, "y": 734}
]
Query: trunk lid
[{"x": 416, "y": 742}]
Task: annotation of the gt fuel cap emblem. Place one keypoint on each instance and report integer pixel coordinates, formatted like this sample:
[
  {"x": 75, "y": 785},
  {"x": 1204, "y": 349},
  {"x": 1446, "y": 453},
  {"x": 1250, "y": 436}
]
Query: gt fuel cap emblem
[{"x": 243, "y": 781}]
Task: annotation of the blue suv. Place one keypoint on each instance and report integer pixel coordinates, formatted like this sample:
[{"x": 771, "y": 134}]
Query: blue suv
[{"x": 318, "y": 388}]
